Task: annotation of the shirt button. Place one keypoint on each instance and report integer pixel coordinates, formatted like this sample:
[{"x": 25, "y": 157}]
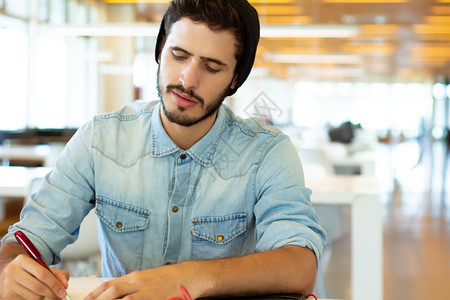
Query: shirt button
[
  {"x": 119, "y": 224},
  {"x": 220, "y": 238},
  {"x": 183, "y": 156},
  {"x": 175, "y": 208},
  {"x": 168, "y": 263}
]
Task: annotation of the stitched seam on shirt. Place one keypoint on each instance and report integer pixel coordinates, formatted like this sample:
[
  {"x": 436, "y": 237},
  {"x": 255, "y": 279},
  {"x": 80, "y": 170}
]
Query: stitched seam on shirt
[
  {"x": 234, "y": 176},
  {"x": 206, "y": 220},
  {"x": 247, "y": 131},
  {"x": 120, "y": 164},
  {"x": 130, "y": 209},
  {"x": 141, "y": 261},
  {"x": 126, "y": 229},
  {"x": 261, "y": 153},
  {"x": 121, "y": 117}
]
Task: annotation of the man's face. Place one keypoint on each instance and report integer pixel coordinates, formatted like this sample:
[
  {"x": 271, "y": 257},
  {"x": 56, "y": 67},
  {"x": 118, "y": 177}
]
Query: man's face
[{"x": 195, "y": 72}]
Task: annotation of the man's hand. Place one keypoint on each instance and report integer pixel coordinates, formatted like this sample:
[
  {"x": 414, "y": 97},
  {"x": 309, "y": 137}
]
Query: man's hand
[
  {"x": 24, "y": 278},
  {"x": 159, "y": 283}
]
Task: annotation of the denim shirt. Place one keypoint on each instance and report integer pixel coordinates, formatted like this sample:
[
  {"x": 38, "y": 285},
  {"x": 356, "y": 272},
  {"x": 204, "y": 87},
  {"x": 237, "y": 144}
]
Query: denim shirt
[{"x": 238, "y": 190}]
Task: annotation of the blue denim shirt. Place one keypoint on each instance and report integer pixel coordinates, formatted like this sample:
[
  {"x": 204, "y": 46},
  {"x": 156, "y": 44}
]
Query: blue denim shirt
[{"x": 240, "y": 189}]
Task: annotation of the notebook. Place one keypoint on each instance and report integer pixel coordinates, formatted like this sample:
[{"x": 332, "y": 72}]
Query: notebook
[{"x": 80, "y": 287}]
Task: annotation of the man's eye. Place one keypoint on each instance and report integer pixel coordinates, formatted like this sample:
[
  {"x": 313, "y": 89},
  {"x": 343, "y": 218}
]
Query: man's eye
[
  {"x": 178, "y": 56},
  {"x": 210, "y": 69}
]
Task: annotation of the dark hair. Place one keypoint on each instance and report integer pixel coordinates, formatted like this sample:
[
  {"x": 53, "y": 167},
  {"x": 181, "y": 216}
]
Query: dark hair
[
  {"x": 236, "y": 16},
  {"x": 216, "y": 14}
]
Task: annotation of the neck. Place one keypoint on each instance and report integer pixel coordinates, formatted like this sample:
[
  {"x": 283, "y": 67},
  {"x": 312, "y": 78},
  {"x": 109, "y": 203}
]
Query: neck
[{"x": 186, "y": 136}]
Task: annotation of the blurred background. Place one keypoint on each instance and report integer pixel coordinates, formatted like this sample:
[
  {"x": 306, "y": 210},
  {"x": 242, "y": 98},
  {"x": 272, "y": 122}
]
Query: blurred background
[{"x": 360, "y": 86}]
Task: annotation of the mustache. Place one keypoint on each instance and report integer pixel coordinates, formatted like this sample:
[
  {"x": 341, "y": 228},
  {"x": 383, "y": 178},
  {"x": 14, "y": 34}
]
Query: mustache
[{"x": 189, "y": 92}]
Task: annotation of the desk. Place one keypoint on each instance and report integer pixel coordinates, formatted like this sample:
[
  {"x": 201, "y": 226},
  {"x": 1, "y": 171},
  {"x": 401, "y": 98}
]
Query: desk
[
  {"x": 363, "y": 161},
  {"x": 15, "y": 181},
  {"x": 34, "y": 153},
  {"x": 362, "y": 195}
]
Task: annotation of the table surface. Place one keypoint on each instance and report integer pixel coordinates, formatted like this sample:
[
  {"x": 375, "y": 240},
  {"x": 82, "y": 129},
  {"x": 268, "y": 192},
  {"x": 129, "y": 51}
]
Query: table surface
[
  {"x": 15, "y": 181},
  {"x": 343, "y": 184},
  {"x": 25, "y": 152}
]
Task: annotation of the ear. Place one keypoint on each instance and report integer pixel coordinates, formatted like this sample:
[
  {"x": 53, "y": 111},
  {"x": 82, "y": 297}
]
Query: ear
[{"x": 234, "y": 82}]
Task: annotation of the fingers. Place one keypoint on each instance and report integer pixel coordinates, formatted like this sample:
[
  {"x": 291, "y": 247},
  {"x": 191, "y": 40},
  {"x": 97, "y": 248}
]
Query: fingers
[
  {"x": 133, "y": 287},
  {"x": 29, "y": 280},
  {"x": 53, "y": 287},
  {"x": 113, "y": 289},
  {"x": 63, "y": 277},
  {"x": 16, "y": 291}
]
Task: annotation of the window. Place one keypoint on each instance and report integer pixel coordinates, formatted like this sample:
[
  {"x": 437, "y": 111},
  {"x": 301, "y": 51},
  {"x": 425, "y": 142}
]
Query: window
[
  {"x": 13, "y": 74},
  {"x": 378, "y": 106},
  {"x": 50, "y": 91},
  {"x": 18, "y": 8},
  {"x": 46, "y": 81}
]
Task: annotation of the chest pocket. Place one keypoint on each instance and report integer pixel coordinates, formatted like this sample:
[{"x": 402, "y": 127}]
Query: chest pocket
[
  {"x": 123, "y": 228},
  {"x": 218, "y": 236}
]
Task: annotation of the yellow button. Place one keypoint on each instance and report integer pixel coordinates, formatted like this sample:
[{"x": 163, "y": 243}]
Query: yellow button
[
  {"x": 220, "y": 238},
  {"x": 119, "y": 224},
  {"x": 175, "y": 208}
]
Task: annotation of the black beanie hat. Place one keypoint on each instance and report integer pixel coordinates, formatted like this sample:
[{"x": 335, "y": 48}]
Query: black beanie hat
[{"x": 250, "y": 21}]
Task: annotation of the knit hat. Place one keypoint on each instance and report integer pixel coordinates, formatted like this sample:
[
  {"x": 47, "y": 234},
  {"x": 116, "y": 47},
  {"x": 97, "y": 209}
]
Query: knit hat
[{"x": 250, "y": 21}]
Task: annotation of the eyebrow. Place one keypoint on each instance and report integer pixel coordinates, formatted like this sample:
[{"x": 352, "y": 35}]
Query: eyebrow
[{"x": 213, "y": 60}]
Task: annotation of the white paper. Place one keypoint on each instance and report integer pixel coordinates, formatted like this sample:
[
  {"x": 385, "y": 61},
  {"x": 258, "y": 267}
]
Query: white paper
[{"x": 80, "y": 287}]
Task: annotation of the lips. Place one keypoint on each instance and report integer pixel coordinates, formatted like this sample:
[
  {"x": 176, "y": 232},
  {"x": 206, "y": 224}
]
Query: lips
[{"x": 183, "y": 100}]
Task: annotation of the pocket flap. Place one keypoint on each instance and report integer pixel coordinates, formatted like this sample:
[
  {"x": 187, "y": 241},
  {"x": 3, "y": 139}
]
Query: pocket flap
[
  {"x": 121, "y": 217},
  {"x": 219, "y": 229}
]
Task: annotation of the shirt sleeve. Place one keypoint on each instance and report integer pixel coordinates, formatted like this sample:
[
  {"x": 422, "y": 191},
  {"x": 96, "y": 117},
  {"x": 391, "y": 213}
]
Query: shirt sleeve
[
  {"x": 284, "y": 214},
  {"x": 51, "y": 217}
]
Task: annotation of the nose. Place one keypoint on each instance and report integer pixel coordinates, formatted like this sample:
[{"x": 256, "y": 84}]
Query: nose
[{"x": 190, "y": 76}]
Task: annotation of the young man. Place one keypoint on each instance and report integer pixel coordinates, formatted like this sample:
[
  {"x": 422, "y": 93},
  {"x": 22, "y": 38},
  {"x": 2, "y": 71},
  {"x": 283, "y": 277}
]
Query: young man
[{"x": 185, "y": 192}]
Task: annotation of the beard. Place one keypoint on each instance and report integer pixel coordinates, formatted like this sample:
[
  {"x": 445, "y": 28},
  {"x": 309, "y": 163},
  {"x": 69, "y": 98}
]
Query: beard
[{"x": 177, "y": 116}]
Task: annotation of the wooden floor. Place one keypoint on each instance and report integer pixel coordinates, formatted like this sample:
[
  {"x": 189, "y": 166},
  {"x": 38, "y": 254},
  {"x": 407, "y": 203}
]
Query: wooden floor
[{"x": 416, "y": 226}]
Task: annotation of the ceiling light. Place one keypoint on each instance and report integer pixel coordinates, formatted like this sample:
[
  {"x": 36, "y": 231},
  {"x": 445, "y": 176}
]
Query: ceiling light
[
  {"x": 278, "y": 9},
  {"x": 285, "y": 20},
  {"x": 379, "y": 28},
  {"x": 314, "y": 58},
  {"x": 331, "y": 31},
  {"x": 327, "y": 71},
  {"x": 136, "y": 29},
  {"x": 431, "y": 28},
  {"x": 437, "y": 19}
]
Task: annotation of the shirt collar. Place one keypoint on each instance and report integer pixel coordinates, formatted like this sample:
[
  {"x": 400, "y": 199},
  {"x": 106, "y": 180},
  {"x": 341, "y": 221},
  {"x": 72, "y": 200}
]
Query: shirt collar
[{"x": 202, "y": 151}]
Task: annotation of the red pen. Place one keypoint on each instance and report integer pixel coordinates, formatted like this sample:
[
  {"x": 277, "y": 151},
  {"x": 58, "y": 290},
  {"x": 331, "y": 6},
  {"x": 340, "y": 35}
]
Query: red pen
[{"x": 31, "y": 250}]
